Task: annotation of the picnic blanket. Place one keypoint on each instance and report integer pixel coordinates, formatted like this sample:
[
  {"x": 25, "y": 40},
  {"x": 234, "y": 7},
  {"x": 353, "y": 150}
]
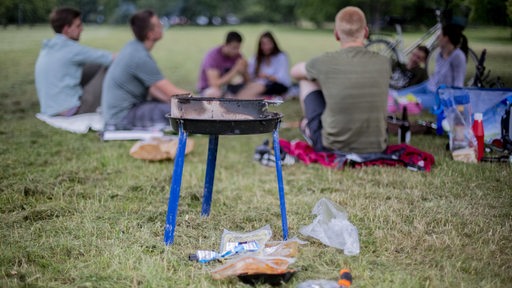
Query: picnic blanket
[
  {"x": 394, "y": 155},
  {"x": 80, "y": 123},
  {"x": 83, "y": 123}
]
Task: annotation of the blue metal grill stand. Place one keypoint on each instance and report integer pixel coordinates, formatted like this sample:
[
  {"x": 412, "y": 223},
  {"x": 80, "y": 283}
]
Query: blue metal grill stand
[{"x": 179, "y": 161}]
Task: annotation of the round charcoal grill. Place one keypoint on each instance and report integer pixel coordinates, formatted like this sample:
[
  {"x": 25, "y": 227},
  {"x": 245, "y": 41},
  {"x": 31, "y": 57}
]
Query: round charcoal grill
[
  {"x": 222, "y": 116},
  {"x": 218, "y": 116}
]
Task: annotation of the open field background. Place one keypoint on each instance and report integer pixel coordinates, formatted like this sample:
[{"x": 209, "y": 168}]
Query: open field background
[{"x": 76, "y": 212}]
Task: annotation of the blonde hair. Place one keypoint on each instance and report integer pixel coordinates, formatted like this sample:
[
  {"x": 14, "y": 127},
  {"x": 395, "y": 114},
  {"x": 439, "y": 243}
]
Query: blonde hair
[{"x": 350, "y": 24}]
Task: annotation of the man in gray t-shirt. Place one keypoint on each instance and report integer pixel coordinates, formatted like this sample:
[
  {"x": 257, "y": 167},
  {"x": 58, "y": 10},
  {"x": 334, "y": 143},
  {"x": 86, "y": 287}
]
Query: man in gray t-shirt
[
  {"x": 134, "y": 77},
  {"x": 344, "y": 93}
]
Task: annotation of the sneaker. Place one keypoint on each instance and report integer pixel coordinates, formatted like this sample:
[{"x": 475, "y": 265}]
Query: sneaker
[
  {"x": 268, "y": 159},
  {"x": 261, "y": 150}
]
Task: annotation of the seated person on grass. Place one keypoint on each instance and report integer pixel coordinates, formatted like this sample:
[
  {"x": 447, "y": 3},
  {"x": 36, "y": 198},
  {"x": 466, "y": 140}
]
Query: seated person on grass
[
  {"x": 450, "y": 67},
  {"x": 223, "y": 71},
  {"x": 134, "y": 77},
  {"x": 344, "y": 93},
  {"x": 411, "y": 73},
  {"x": 269, "y": 70},
  {"x": 68, "y": 75}
]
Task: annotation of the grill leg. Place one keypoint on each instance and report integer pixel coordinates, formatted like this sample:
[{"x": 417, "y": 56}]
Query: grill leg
[
  {"x": 174, "y": 193},
  {"x": 280, "y": 185},
  {"x": 210, "y": 174}
]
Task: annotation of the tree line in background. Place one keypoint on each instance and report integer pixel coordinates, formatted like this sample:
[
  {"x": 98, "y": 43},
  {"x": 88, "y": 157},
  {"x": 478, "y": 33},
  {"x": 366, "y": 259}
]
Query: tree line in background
[{"x": 414, "y": 12}]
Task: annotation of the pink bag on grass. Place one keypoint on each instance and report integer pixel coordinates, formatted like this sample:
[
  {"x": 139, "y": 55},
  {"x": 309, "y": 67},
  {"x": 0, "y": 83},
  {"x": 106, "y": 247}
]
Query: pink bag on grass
[{"x": 397, "y": 104}]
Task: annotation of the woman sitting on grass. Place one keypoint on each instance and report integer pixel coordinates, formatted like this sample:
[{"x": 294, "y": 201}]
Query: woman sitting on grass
[
  {"x": 269, "y": 70},
  {"x": 450, "y": 67}
]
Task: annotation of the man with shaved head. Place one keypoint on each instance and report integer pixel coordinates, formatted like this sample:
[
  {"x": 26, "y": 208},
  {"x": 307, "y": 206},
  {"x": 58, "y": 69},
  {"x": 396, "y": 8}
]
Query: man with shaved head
[{"x": 344, "y": 93}]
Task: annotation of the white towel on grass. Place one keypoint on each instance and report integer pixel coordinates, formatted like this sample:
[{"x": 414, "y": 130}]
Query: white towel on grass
[{"x": 80, "y": 123}]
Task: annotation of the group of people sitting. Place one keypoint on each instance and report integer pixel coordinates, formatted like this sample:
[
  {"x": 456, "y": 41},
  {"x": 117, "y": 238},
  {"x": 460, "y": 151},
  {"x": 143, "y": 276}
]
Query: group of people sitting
[
  {"x": 343, "y": 93},
  {"x": 129, "y": 86},
  {"x": 225, "y": 72},
  {"x": 450, "y": 67}
]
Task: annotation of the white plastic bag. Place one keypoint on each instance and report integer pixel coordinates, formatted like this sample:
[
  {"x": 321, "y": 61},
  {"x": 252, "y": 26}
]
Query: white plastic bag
[{"x": 332, "y": 228}]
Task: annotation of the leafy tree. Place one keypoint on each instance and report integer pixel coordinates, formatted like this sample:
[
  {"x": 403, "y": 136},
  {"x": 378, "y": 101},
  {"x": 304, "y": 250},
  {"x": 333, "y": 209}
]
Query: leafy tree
[
  {"x": 490, "y": 12},
  {"x": 25, "y": 11},
  {"x": 416, "y": 12},
  {"x": 6, "y": 6},
  {"x": 509, "y": 9},
  {"x": 272, "y": 11},
  {"x": 318, "y": 12}
]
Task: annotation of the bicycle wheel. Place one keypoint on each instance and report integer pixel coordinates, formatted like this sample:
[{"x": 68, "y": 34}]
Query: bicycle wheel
[
  {"x": 383, "y": 47},
  {"x": 471, "y": 64}
]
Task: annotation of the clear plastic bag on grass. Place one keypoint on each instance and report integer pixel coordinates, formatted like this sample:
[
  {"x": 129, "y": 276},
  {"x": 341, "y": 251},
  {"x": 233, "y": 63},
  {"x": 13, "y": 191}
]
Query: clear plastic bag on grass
[
  {"x": 230, "y": 240},
  {"x": 288, "y": 248},
  {"x": 332, "y": 228}
]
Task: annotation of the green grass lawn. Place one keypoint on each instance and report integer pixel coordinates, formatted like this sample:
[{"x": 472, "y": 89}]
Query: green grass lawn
[{"x": 78, "y": 212}]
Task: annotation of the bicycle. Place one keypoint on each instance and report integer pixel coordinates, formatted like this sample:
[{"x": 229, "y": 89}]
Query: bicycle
[
  {"x": 393, "y": 47},
  {"x": 482, "y": 77}
]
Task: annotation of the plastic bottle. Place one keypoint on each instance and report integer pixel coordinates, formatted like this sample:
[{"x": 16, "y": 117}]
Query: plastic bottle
[
  {"x": 344, "y": 281},
  {"x": 404, "y": 130},
  {"x": 319, "y": 283},
  {"x": 478, "y": 130}
]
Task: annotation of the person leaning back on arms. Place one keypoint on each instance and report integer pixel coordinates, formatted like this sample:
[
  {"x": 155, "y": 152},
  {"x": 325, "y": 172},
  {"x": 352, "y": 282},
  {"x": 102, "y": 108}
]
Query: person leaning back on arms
[
  {"x": 343, "y": 93},
  {"x": 133, "y": 77},
  {"x": 69, "y": 75}
]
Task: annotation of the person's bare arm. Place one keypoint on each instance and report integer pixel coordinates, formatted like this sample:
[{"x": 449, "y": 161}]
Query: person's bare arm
[
  {"x": 298, "y": 71},
  {"x": 164, "y": 89},
  {"x": 215, "y": 80},
  {"x": 243, "y": 69}
]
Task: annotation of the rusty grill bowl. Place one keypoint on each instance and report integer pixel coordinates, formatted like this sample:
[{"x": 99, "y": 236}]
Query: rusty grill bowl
[{"x": 222, "y": 116}]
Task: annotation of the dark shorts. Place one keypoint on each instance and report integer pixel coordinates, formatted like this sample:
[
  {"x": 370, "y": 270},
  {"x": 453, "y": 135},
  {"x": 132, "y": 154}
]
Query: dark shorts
[
  {"x": 274, "y": 88},
  {"x": 233, "y": 89},
  {"x": 314, "y": 106}
]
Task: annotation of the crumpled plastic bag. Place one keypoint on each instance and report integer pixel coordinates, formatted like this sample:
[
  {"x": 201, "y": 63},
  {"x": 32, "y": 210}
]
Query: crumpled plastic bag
[{"x": 332, "y": 228}]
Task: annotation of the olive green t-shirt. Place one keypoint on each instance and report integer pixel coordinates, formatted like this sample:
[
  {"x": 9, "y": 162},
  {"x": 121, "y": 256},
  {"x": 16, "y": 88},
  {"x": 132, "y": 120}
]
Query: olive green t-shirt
[{"x": 355, "y": 84}]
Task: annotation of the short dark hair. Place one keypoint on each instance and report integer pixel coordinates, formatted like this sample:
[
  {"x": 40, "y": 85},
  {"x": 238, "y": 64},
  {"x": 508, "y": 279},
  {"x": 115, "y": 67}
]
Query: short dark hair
[
  {"x": 233, "y": 36},
  {"x": 424, "y": 49},
  {"x": 62, "y": 17},
  {"x": 141, "y": 24}
]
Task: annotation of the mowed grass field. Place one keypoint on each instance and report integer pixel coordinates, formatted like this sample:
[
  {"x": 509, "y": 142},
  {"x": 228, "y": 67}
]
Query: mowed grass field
[{"x": 78, "y": 212}]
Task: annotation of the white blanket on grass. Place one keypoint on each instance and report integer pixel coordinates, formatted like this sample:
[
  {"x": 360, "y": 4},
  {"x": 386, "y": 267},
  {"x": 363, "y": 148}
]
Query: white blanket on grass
[{"x": 80, "y": 123}]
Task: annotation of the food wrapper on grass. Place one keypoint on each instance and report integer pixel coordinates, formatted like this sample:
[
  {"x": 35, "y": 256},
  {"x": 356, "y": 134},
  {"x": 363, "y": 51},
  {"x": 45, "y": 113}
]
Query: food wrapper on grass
[
  {"x": 231, "y": 239},
  {"x": 156, "y": 149},
  {"x": 288, "y": 248},
  {"x": 249, "y": 265}
]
